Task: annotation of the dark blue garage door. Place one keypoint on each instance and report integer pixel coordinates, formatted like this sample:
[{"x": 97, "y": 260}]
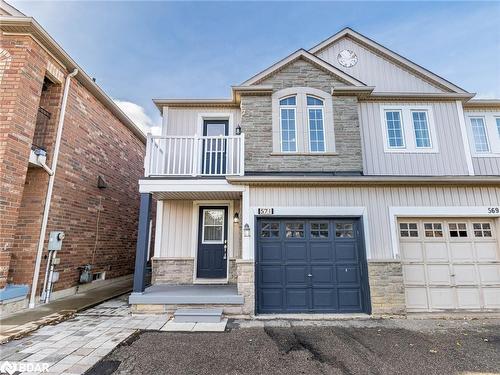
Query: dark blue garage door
[{"x": 311, "y": 265}]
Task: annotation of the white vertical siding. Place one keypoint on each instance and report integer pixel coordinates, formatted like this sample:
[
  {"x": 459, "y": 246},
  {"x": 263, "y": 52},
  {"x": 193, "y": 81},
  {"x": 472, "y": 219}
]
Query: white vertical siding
[
  {"x": 177, "y": 235},
  {"x": 377, "y": 201},
  {"x": 186, "y": 121},
  {"x": 450, "y": 160},
  {"x": 375, "y": 70}
]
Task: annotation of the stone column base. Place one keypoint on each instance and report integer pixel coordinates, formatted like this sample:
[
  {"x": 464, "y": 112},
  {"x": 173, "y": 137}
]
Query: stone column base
[{"x": 387, "y": 290}]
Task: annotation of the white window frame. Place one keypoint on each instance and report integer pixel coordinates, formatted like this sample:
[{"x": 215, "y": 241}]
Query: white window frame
[
  {"x": 322, "y": 108},
  {"x": 212, "y": 242},
  {"x": 492, "y": 135},
  {"x": 428, "y": 128},
  {"x": 386, "y": 130},
  {"x": 409, "y": 139},
  {"x": 287, "y": 106},
  {"x": 302, "y": 121}
]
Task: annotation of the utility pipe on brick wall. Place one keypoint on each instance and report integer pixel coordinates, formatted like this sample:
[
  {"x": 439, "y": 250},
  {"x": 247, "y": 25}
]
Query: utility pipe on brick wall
[{"x": 48, "y": 197}]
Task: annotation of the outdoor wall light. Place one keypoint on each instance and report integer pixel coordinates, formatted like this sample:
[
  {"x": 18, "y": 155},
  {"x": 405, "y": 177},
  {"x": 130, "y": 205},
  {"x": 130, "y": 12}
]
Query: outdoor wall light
[
  {"x": 238, "y": 129},
  {"x": 236, "y": 218},
  {"x": 246, "y": 230}
]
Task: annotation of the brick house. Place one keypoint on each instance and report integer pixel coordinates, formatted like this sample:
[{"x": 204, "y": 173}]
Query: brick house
[
  {"x": 342, "y": 179},
  {"x": 70, "y": 161}
]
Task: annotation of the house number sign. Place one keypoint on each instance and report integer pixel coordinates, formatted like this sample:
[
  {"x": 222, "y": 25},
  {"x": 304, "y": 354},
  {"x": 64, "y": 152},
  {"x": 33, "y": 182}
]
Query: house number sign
[
  {"x": 265, "y": 211},
  {"x": 493, "y": 210}
]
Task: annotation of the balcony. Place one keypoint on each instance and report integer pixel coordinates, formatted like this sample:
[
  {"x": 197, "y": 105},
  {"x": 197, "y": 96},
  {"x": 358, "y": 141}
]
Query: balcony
[{"x": 193, "y": 156}]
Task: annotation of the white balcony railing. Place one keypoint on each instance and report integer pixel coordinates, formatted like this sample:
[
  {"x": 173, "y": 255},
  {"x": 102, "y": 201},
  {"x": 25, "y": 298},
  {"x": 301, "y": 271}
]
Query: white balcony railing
[{"x": 194, "y": 156}]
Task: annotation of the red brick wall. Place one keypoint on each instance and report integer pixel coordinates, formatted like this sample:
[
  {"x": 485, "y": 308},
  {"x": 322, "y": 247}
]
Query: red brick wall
[
  {"x": 93, "y": 143},
  {"x": 23, "y": 66}
]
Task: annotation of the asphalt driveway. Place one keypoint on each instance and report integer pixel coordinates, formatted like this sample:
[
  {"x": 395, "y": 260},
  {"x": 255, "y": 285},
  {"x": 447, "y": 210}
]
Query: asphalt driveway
[{"x": 370, "y": 347}]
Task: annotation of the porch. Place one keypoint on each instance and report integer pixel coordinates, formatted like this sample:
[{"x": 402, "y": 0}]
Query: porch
[{"x": 164, "y": 294}]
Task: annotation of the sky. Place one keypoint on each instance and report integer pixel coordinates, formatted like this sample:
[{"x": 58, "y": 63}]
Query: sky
[{"x": 138, "y": 51}]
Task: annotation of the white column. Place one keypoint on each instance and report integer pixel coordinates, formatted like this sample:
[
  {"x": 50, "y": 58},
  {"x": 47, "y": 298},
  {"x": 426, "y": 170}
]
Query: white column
[
  {"x": 247, "y": 218},
  {"x": 158, "y": 228}
]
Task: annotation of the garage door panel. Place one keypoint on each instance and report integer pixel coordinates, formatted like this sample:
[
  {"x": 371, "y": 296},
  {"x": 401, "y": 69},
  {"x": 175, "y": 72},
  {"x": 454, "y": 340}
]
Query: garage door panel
[
  {"x": 346, "y": 252},
  {"x": 438, "y": 274},
  {"x": 322, "y": 275},
  {"x": 489, "y": 273},
  {"x": 412, "y": 252},
  {"x": 461, "y": 251},
  {"x": 321, "y": 252},
  {"x": 271, "y": 299},
  {"x": 416, "y": 298},
  {"x": 442, "y": 298},
  {"x": 436, "y": 252},
  {"x": 487, "y": 251},
  {"x": 270, "y": 275},
  {"x": 468, "y": 298},
  {"x": 465, "y": 274},
  {"x": 491, "y": 297},
  {"x": 270, "y": 251},
  {"x": 296, "y": 274},
  {"x": 297, "y": 299},
  {"x": 348, "y": 275},
  {"x": 295, "y": 252},
  {"x": 349, "y": 300},
  {"x": 414, "y": 274},
  {"x": 324, "y": 299}
]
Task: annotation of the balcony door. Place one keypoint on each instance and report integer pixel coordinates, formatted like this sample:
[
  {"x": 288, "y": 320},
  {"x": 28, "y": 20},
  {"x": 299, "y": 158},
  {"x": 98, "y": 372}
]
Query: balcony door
[{"x": 214, "y": 148}]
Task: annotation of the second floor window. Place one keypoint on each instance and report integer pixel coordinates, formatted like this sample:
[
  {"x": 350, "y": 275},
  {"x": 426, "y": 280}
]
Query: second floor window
[
  {"x": 484, "y": 133},
  {"x": 479, "y": 133},
  {"x": 316, "y": 129},
  {"x": 302, "y": 121},
  {"x": 408, "y": 129},
  {"x": 288, "y": 121},
  {"x": 394, "y": 129}
]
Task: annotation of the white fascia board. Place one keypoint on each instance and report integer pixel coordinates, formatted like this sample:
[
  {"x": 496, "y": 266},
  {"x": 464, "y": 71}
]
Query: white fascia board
[
  {"x": 182, "y": 185},
  {"x": 385, "y": 51}
]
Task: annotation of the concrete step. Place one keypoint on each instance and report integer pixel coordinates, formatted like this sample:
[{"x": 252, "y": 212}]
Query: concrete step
[{"x": 198, "y": 315}]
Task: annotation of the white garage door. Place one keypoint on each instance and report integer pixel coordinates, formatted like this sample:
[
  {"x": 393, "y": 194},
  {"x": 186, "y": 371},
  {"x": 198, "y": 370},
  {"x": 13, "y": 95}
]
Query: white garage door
[{"x": 450, "y": 264}]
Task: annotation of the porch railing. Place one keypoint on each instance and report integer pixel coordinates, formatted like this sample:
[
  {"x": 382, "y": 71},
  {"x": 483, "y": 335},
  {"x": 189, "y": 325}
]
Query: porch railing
[{"x": 194, "y": 156}]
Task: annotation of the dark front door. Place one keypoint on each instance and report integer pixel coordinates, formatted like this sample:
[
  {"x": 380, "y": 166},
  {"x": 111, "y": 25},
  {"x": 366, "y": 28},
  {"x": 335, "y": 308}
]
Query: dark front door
[
  {"x": 214, "y": 148},
  {"x": 311, "y": 265},
  {"x": 212, "y": 243}
]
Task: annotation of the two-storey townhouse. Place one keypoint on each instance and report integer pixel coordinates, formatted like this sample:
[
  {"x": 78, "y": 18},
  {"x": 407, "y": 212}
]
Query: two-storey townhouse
[
  {"x": 69, "y": 163},
  {"x": 342, "y": 179}
]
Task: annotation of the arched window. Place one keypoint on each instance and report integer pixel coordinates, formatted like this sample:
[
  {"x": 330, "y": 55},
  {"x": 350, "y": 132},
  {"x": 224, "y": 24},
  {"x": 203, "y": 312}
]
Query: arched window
[
  {"x": 288, "y": 124},
  {"x": 315, "y": 122}
]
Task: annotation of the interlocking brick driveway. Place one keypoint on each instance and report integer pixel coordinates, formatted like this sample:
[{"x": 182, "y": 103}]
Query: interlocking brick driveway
[{"x": 75, "y": 345}]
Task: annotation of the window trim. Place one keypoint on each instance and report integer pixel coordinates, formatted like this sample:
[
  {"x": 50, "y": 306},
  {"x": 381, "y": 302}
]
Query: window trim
[
  {"x": 322, "y": 108},
  {"x": 492, "y": 134},
  {"x": 303, "y": 146},
  {"x": 403, "y": 146},
  {"x": 294, "y": 108},
  {"x": 412, "y": 111},
  {"x": 408, "y": 127}
]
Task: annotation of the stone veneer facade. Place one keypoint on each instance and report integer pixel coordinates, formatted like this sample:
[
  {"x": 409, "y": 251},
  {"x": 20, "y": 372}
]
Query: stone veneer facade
[
  {"x": 256, "y": 123},
  {"x": 387, "y": 292},
  {"x": 181, "y": 271}
]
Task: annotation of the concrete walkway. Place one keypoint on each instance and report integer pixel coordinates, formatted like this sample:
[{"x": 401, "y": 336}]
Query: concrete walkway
[{"x": 19, "y": 324}]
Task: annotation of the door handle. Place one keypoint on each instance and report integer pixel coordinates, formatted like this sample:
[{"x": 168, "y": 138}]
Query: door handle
[
  {"x": 225, "y": 250},
  {"x": 310, "y": 275}
]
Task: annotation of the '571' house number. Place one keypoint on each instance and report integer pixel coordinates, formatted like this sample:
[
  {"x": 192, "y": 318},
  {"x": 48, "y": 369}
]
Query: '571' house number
[{"x": 265, "y": 211}]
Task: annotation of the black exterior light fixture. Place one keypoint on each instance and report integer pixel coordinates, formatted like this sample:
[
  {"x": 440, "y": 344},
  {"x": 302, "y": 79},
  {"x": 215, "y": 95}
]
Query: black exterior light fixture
[{"x": 238, "y": 129}]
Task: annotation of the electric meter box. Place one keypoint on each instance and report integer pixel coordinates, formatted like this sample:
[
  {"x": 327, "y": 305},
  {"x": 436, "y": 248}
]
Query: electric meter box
[{"x": 55, "y": 241}]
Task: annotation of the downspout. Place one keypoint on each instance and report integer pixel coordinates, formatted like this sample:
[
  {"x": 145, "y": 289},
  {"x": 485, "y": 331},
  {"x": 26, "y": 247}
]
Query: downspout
[{"x": 48, "y": 197}]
